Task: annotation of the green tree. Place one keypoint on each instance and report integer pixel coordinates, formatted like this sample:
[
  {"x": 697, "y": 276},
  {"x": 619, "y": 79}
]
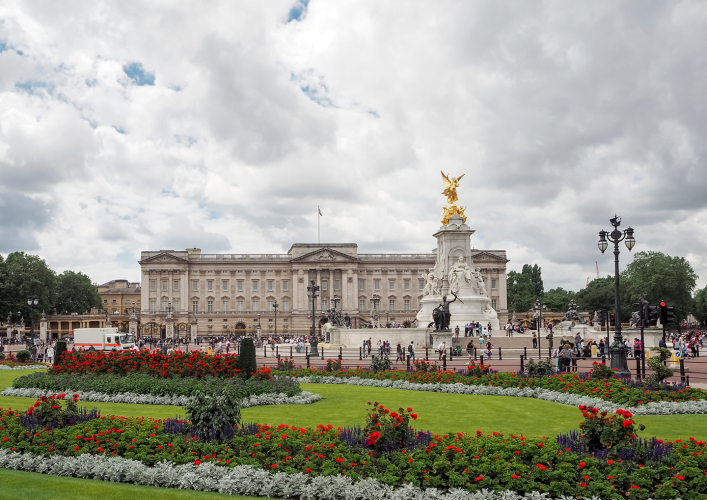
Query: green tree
[
  {"x": 76, "y": 293},
  {"x": 662, "y": 277},
  {"x": 558, "y": 299},
  {"x": 24, "y": 275},
  {"x": 700, "y": 308},
  {"x": 535, "y": 274},
  {"x": 520, "y": 292},
  {"x": 600, "y": 294}
]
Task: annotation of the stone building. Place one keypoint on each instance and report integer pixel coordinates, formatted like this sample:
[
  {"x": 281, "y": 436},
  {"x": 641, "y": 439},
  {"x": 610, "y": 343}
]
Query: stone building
[
  {"x": 120, "y": 296},
  {"x": 236, "y": 293}
]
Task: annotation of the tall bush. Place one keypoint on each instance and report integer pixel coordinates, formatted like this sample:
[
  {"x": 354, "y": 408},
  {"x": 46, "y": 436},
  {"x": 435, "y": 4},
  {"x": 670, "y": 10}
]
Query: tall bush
[
  {"x": 60, "y": 348},
  {"x": 247, "y": 362},
  {"x": 661, "y": 372},
  {"x": 212, "y": 416}
]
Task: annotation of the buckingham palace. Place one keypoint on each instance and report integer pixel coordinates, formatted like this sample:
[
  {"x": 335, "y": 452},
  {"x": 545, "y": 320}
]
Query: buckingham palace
[{"x": 224, "y": 294}]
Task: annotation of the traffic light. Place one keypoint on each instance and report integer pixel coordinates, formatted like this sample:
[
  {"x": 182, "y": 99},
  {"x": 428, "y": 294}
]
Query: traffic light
[
  {"x": 663, "y": 313},
  {"x": 653, "y": 314},
  {"x": 602, "y": 317},
  {"x": 645, "y": 314},
  {"x": 670, "y": 315},
  {"x": 613, "y": 319}
]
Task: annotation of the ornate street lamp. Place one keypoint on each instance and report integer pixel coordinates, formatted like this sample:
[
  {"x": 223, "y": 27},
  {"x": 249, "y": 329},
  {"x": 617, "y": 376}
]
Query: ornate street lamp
[
  {"x": 313, "y": 292},
  {"x": 539, "y": 307},
  {"x": 259, "y": 330},
  {"x": 32, "y": 303},
  {"x": 618, "y": 349}
]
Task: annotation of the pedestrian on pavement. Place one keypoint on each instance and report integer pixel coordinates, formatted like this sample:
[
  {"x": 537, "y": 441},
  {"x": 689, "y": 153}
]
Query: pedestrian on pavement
[
  {"x": 441, "y": 349},
  {"x": 411, "y": 350}
]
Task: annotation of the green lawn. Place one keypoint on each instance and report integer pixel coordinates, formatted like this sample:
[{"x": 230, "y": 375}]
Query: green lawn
[
  {"x": 440, "y": 413},
  {"x": 32, "y": 486}
]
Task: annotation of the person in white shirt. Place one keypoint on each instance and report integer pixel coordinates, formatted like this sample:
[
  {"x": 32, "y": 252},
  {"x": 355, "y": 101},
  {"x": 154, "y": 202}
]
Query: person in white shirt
[{"x": 441, "y": 349}]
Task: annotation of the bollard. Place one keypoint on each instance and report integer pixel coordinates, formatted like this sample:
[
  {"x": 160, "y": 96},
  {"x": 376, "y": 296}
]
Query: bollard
[
  {"x": 427, "y": 353},
  {"x": 451, "y": 354},
  {"x": 682, "y": 370},
  {"x": 603, "y": 359},
  {"x": 521, "y": 362},
  {"x": 307, "y": 360},
  {"x": 277, "y": 351},
  {"x": 408, "y": 361},
  {"x": 322, "y": 354},
  {"x": 474, "y": 353},
  {"x": 360, "y": 354},
  {"x": 265, "y": 351},
  {"x": 341, "y": 353},
  {"x": 500, "y": 354},
  {"x": 687, "y": 380},
  {"x": 290, "y": 352},
  {"x": 638, "y": 367},
  {"x": 444, "y": 361},
  {"x": 525, "y": 352},
  {"x": 305, "y": 351},
  {"x": 481, "y": 359}
]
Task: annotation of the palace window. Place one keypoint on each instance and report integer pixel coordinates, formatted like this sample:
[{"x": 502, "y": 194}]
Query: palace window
[
  {"x": 195, "y": 306},
  {"x": 493, "y": 284},
  {"x": 114, "y": 302},
  {"x": 493, "y": 303},
  {"x": 271, "y": 306},
  {"x": 337, "y": 284},
  {"x": 225, "y": 285},
  {"x": 421, "y": 284},
  {"x": 224, "y": 306},
  {"x": 175, "y": 285},
  {"x": 407, "y": 304},
  {"x": 105, "y": 301},
  {"x": 153, "y": 285},
  {"x": 240, "y": 285},
  {"x": 256, "y": 305},
  {"x": 325, "y": 283},
  {"x": 164, "y": 305},
  {"x": 210, "y": 285},
  {"x": 406, "y": 283},
  {"x": 325, "y": 305},
  {"x": 240, "y": 306},
  {"x": 361, "y": 284},
  {"x": 210, "y": 306},
  {"x": 285, "y": 285},
  {"x": 164, "y": 286},
  {"x": 376, "y": 284},
  {"x": 270, "y": 285},
  {"x": 361, "y": 304},
  {"x": 176, "y": 305},
  {"x": 153, "y": 306},
  {"x": 255, "y": 285},
  {"x": 391, "y": 305},
  {"x": 285, "y": 305},
  {"x": 195, "y": 285},
  {"x": 391, "y": 285}
]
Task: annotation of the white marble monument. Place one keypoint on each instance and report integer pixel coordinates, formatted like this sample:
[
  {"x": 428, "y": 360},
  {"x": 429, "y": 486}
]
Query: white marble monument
[{"x": 454, "y": 274}]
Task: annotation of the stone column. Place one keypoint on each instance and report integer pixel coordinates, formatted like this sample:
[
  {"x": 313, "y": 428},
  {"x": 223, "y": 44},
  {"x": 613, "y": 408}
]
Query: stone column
[
  {"x": 132, "y": 328},
  {"x": 43, "y": 328},
  {"x": 318, "y": 283},
  {"x": 193, "y": 330}
]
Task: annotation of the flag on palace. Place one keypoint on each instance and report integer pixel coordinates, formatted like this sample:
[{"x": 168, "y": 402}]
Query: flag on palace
[{"x": 320, "y": 211}]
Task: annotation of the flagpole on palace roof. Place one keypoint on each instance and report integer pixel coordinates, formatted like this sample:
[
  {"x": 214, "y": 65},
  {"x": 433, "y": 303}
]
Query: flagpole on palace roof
[{"x": 319, "y": 214}]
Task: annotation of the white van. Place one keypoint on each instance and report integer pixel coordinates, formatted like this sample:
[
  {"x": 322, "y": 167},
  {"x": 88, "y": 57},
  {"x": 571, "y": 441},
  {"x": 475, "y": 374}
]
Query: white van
[{"x": 102, "y": 339}]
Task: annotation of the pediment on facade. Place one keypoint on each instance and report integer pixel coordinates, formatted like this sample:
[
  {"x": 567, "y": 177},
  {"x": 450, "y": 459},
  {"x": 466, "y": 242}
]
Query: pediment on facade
[
  {"x": 325, "y": 255},
  {"x": 486, "y": 256},
  {"x": 163, "y": 257}
]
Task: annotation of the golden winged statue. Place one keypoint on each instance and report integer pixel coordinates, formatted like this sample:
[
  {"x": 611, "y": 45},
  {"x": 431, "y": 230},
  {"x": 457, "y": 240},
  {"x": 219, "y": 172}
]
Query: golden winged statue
[
  {"x": 450, "y": 191},
  {"x": 450, "y": 188}
]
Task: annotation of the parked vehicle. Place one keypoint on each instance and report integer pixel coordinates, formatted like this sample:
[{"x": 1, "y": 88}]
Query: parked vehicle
[{"x": 102, "y": 339}]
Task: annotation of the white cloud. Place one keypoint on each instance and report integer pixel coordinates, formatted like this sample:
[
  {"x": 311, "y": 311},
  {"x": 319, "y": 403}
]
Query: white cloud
[{"x": 560, "y": 114}]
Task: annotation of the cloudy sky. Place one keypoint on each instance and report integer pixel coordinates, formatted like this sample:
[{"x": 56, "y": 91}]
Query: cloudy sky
[{"x": 129, "y": 126}]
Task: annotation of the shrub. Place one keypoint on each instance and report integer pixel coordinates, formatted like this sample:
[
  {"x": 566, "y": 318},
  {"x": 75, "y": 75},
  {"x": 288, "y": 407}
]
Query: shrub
[
  {"x": 285, "y": 364},
  {"x": 262, "y": 373},
  {"x": 333, "y": 365},
  {"x": 48, "y": 411},
  {"x": 424, "y": 366},
  {"x": 212, "y": 416},
  {"x": 601, "y": 430},
  {"x": 386, "y": 430},
  {"x": 661, "y": 372},
  {"x": 247, "y": 362},
  {"x": 601, "y": 371},
  {"x": 60, "y": 349},
  {"x": 539, "y": 369},
  {"x": 2, "y": 356},
  {"x": 23, "y": 356},
  {"x": 380, "y": 363},
  {"x": 478, "y": 369}
]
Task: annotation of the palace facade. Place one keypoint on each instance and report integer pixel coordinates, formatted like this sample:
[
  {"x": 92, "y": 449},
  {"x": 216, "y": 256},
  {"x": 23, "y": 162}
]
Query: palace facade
[{"x": 244, "y": 293}]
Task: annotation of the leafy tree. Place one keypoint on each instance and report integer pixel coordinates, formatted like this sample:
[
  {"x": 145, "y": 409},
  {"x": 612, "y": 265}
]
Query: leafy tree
[
  {"x": 520, "y": 292},
  {"x": 76, "y": 293},
  {"x": 558, "y": 299},
  {"x": 700, "y": 308},
  {"x": 535, "y": 274},
  {"x": 662, "y": 277},
  {"x": 600, "y": 294},
  {"x": 24, "y": 275},
  {"x": 246, "y": 360}
]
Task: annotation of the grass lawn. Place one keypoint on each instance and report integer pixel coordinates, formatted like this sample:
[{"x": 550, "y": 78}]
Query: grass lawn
[
  {"x": 32, "y": 486},
  {"x": 440, "y": 413}
]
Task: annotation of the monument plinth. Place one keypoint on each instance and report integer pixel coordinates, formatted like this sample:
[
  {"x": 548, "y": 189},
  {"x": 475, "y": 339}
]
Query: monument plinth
[{"x": 454, "y": 276}]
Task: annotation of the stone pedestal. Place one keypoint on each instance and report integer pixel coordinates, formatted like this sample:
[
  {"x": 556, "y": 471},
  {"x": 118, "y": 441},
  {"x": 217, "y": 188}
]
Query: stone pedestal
[
  {"x": 43, "y": 328},
  {"x": 438, "y": 337},
  {"x": 193, "y": 331}
]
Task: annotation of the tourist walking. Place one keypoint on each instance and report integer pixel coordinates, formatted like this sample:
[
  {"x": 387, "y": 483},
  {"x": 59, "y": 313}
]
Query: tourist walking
[{"x": 411, "y": 350}]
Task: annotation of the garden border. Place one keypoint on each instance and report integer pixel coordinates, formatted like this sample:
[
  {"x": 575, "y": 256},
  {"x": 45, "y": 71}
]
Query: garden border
[
  {"x": 32, "y": 367},
  {"x": 133, "y": 398},
  {"x": 656, "y": 408},
  {"x": 240, "y": 480}
]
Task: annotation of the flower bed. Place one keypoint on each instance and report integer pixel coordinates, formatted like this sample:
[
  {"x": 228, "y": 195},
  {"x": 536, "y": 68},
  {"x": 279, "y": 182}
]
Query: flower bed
[
  {"x": 615, "y": 390},
  {"x": 179, "y": 364},
  {"x": 22, "y": 366},
  {"x": 461, "y": 463},
  {"x": 141, "y": 383}
]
